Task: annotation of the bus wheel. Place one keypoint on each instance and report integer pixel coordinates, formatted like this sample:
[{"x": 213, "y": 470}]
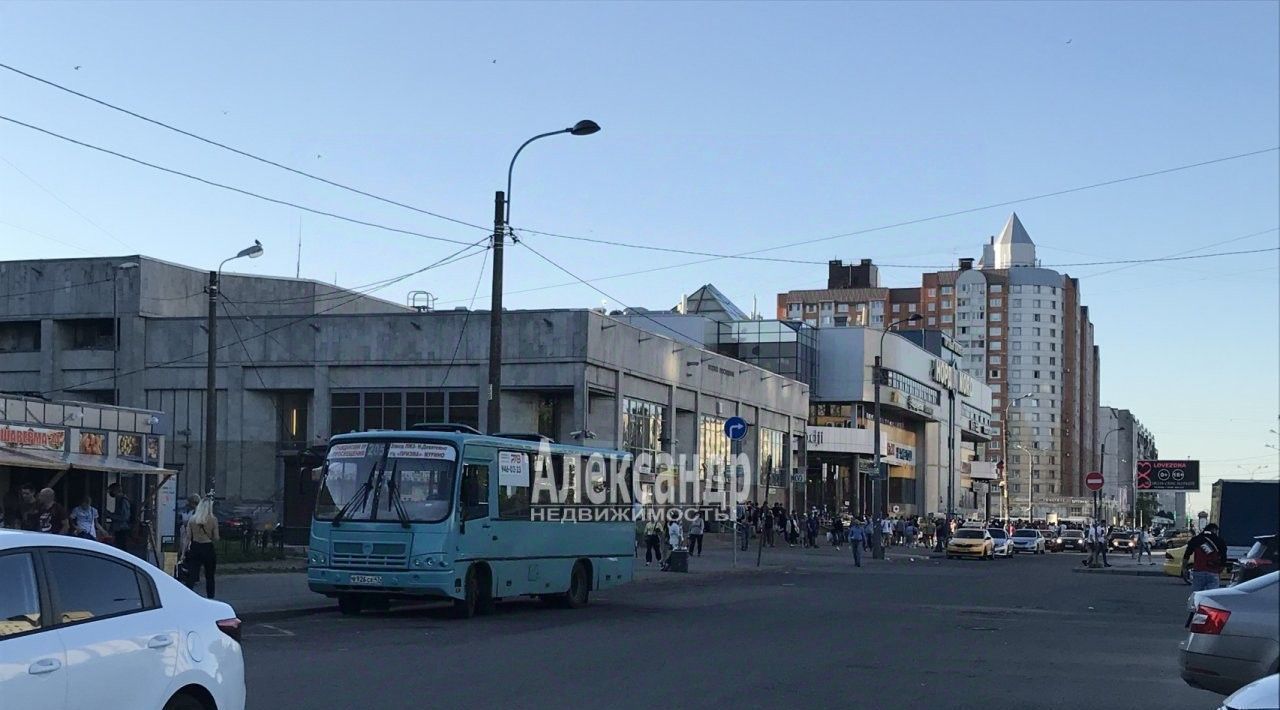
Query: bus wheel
[
  {"x": 579, "y": 588},
  {"x": 465, "y": 608},
  {"x": 350, "y": 604}
]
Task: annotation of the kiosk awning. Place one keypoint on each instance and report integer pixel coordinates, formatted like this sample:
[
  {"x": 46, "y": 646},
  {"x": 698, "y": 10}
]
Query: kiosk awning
[
  {"x": 14, "y": 457},
  {"x": 86, "y": 462}
]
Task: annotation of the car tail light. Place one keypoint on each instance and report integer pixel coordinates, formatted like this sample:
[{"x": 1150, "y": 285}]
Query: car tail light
[
  {"x": 230, "y": 627},
  {"x": 1208, "y": 620}
]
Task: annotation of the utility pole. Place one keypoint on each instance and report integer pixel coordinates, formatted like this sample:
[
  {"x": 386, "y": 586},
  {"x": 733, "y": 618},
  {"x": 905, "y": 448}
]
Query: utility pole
[
  {"x": 211, "y": 388},
  {"x": 877, "y": 542},
  {"x": 951, "y": 443},
  {"x": 211, "y": 360},
  {"x": 494, "y": 417}
]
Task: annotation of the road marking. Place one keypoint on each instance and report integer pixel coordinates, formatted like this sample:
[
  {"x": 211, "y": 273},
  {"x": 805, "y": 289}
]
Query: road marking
[{"x": 279, "y": 632}]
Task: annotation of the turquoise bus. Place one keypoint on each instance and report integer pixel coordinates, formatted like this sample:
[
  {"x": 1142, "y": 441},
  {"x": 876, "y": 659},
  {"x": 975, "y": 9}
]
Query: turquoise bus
[{"x": 446, "y": 512}]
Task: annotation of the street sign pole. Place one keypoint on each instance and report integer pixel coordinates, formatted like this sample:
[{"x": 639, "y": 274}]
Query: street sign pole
[{"x": 735, "y": 429}]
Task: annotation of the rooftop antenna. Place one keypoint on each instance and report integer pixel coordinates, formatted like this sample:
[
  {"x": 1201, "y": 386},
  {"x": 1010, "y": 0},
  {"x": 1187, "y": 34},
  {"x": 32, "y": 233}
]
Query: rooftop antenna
[{"x": 297, "y": 272}]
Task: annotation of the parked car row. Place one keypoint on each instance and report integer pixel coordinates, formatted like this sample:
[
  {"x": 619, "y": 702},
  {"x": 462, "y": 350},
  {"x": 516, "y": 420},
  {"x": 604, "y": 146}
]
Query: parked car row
[{"x": 990, "y": 543}]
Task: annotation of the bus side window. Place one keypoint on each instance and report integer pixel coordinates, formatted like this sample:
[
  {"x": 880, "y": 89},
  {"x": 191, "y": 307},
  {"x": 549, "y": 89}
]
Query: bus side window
[{"x": 475, "y": 477}]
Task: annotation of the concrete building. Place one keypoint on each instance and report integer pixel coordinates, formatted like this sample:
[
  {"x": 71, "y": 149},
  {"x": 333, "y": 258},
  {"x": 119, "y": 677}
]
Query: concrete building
[
  {"x": 1019, "y": 328},
  {"x": 299, "y": 361},
  {"x": 1119, "y": 466}
]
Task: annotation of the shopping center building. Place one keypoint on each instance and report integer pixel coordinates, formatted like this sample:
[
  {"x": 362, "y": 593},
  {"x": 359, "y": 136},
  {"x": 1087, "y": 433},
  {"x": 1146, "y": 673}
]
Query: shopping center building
[{"x": 299, "y": 361}]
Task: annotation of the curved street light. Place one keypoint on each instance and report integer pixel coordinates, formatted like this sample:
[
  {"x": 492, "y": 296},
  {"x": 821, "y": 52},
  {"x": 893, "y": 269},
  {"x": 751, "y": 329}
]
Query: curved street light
[
  {"x": 877, "y": 374},
  {"x": 1104, "y": 465},
  {"x": 501, "y": 223},
  {"x": 253, "y": 251}
]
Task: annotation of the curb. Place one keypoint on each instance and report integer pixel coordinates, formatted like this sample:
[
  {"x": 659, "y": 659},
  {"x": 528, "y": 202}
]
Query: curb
[{"x": 1121, "y": 572}]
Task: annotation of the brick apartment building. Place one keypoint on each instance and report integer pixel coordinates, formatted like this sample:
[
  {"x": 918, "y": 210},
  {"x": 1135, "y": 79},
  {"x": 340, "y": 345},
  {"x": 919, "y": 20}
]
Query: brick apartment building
[{"x": 1021, "y": 329}]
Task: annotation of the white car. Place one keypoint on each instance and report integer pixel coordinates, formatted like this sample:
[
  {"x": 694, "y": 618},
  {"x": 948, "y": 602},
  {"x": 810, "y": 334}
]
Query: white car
[
  {"x": 1261, "y": 694},
  {"x": 1028, "y": 540},
  {"x": 1003, "y": 546},
  {"x": 86, "y": 625}
]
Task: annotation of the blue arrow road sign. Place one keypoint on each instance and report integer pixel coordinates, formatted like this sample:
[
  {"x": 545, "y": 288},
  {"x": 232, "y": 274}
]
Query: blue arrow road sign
[{"x": 735, "y": 428}]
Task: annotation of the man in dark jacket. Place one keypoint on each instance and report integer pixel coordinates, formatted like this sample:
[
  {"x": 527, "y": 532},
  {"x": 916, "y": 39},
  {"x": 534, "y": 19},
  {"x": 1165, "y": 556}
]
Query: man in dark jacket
[{"x": 1207, "y": 555}]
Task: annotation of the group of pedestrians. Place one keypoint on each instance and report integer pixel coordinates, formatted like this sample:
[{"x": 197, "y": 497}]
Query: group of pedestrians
[
  {"x": 41, "y": 512},
  {"x": 662, "y": 537}
]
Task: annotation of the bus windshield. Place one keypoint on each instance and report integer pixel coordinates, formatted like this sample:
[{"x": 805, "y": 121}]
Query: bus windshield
[{"x": 409, "y": 482}]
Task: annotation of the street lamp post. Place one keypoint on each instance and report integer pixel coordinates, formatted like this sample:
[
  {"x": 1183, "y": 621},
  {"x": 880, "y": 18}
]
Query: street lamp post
[
  {"x": 211, "y": 367},
  {"x": 877, "y": 374},
  {"x": 1102, "y": 467},
  {"x": 1004, "y": 494},
  {"x": 501, "y": 222},
  {"x": 115, "y": 321}
]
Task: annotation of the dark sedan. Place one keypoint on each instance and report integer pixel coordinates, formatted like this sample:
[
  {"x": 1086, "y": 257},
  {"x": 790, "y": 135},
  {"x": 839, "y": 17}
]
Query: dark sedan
[
  {"x": 230, "y": 525},
  {"x": 1069, "y": 540},
  {"x": 1261, "y": 559}
]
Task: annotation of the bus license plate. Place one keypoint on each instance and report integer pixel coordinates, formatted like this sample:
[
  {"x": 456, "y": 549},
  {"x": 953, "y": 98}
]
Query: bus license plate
[{"x": 366, "y": 579}]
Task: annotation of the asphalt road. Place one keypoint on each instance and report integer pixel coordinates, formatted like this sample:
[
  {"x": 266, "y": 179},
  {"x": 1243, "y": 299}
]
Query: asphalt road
[{"x": 1020, "y": 633}]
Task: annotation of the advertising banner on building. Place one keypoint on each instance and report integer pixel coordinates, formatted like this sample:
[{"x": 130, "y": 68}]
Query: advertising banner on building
[
  {"x": 1168, "y": 475},
  {"x": 31, "y": 437}
]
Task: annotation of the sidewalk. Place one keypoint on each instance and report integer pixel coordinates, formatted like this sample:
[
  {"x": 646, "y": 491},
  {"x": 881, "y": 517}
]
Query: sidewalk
[{"x": 275, "y": 590}]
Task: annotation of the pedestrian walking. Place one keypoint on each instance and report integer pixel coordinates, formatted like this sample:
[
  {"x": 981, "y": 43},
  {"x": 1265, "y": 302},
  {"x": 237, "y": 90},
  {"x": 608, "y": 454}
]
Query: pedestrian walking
[
  {"x": 84, "y": 520},
  {"x": 811, "y": 529},
  {"x": 1144, "y": 545},
  {"x": 652, "y": 542},
  {"x": 837, "y": 531},
  {"x": 203, "y": 531},
  {"x": 1103, "y": 534},
  {"x": 767, "y": 525},
  {"x": 1206, "y": 553},
  {"x": 857, "y": 539},
  {"x": 886, "y": 532},
  {"x": 120, "y": 520},
  {"x": 697, "y": 527}
]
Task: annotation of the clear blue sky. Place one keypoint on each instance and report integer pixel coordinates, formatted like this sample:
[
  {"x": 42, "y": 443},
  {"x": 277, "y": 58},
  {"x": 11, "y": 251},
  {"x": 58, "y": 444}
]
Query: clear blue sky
[{"x": 727, "y": 127}]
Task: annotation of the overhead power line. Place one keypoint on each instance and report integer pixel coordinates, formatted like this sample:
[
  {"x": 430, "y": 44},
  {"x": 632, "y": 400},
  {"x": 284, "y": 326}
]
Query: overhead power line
[
  {"x": 1129, "y": 262},
  {"x": 679, "y": 336},
  {"x": 231, "y": 188},
  {"x": 919, "y": 220},
  {"x": 53, "y": 289},
  {"x": 238, "y": 151},
  {"x": 466, "y": 318}
]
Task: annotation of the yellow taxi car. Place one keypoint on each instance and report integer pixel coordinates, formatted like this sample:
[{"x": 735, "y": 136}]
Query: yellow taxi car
[
  {"x": 1174, "y": 568},
  {"x": 971, "y": 542}
]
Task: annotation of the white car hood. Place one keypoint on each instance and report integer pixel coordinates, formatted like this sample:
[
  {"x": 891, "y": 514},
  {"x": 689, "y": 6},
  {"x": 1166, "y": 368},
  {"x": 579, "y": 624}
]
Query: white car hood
[{"x": 1262, "y": 694}]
